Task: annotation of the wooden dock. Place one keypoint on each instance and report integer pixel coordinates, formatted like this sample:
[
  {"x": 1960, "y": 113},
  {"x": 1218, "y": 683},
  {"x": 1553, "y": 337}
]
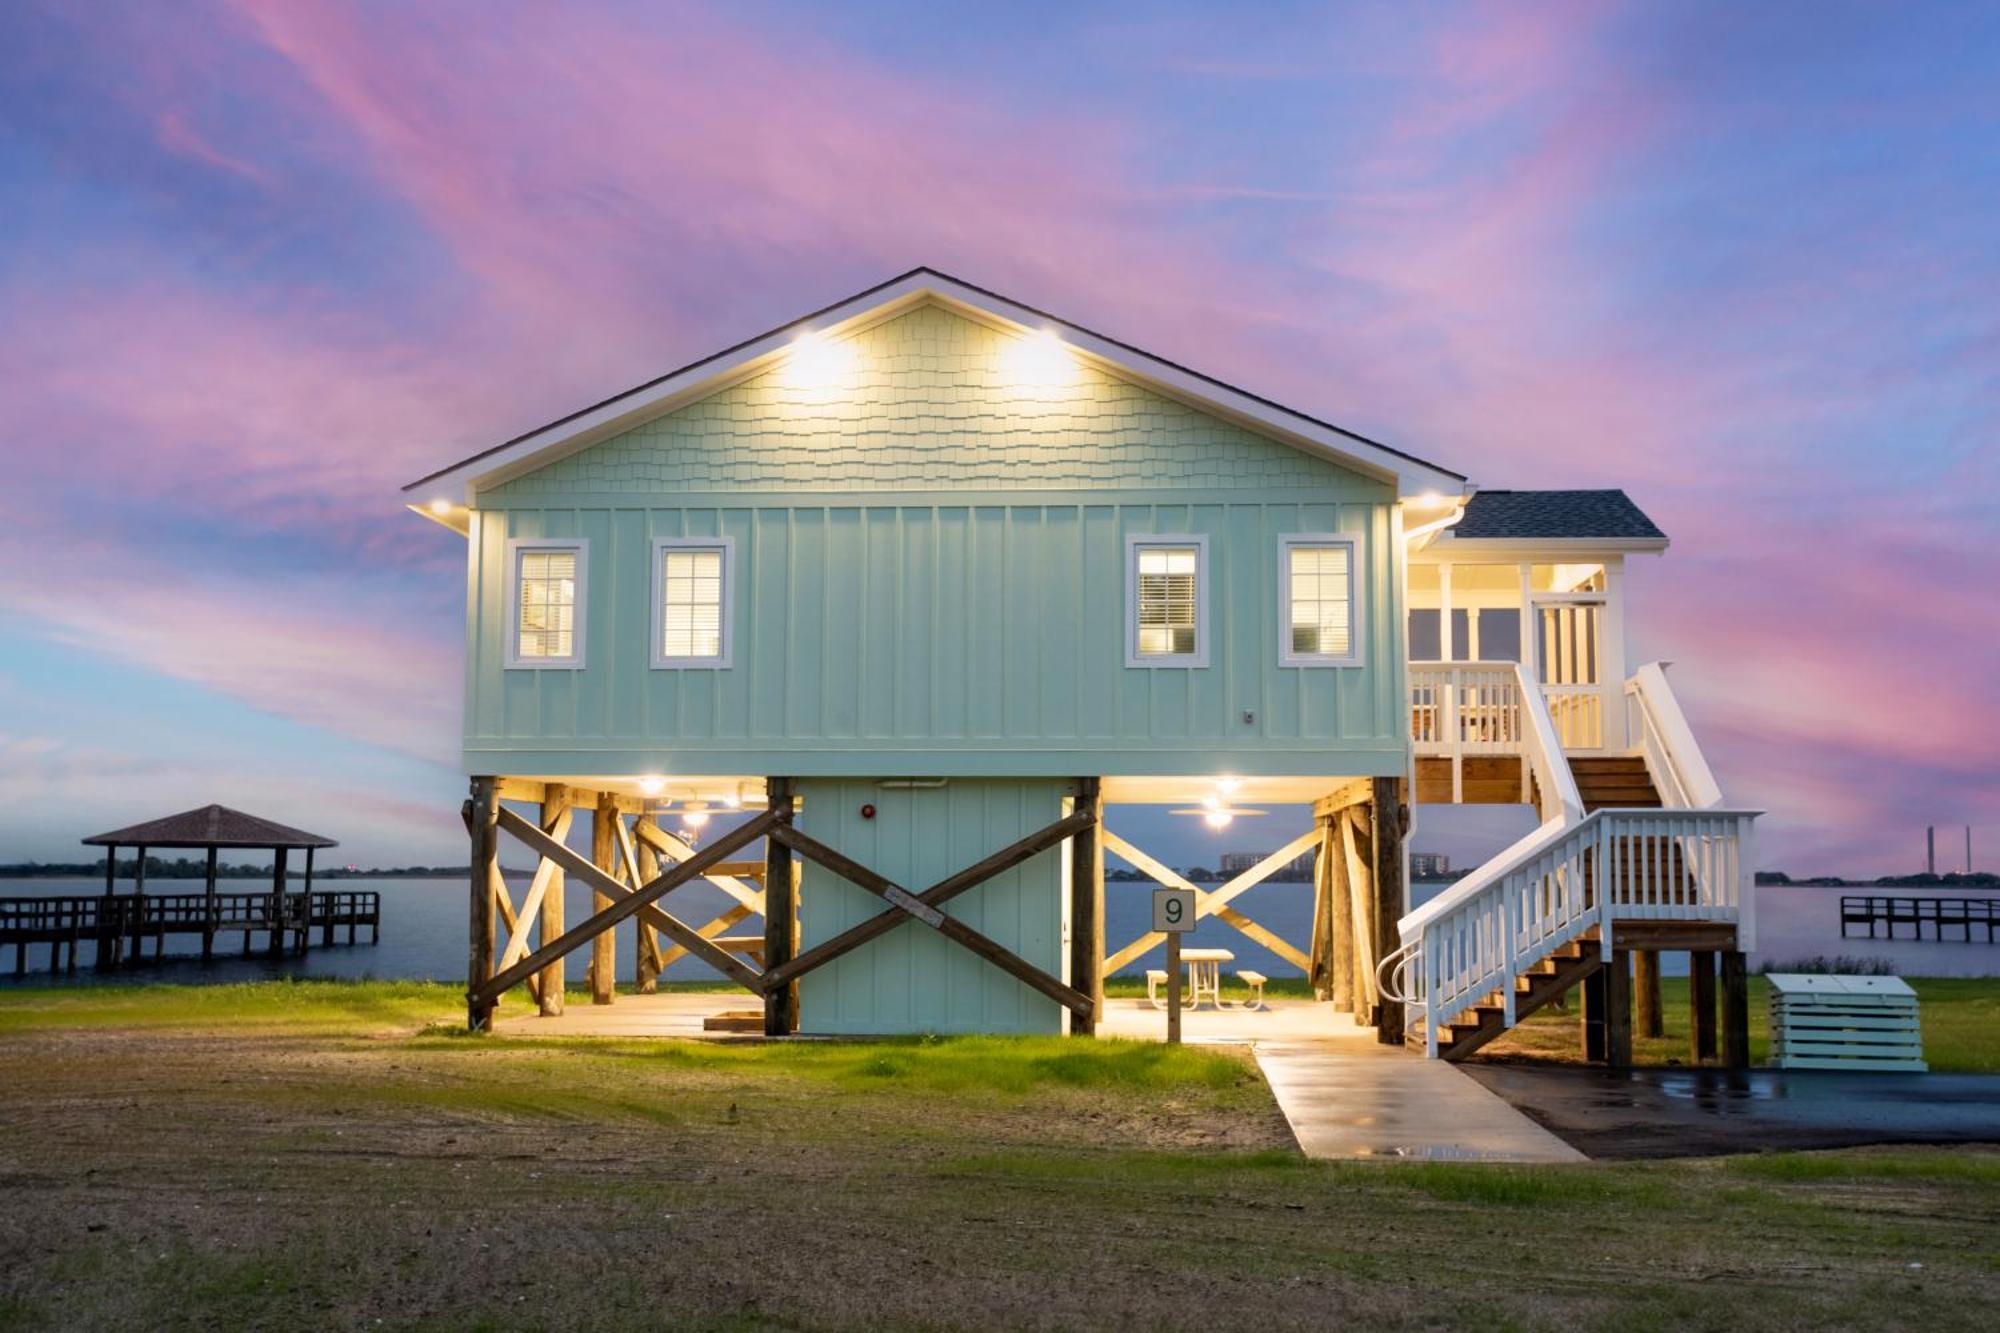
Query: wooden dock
[
  {"x": 1919, "y": 918},
  {"x": 118, "y": 926}
]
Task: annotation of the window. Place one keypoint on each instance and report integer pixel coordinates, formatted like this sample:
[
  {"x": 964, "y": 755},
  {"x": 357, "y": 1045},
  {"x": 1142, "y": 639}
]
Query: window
[
  {"x": 691, "y": 601},
  {"x": 1167, "y": 601},
  {"x": 545, "y": 603},
  {"x": 1320, "y": 624}
]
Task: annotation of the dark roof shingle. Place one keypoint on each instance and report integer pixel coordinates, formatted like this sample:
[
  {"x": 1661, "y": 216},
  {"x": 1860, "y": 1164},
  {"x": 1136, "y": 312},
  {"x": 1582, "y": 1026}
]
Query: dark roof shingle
[
  {"x": 1555, "y": 514},
  {"x": 210, "y": 826}
]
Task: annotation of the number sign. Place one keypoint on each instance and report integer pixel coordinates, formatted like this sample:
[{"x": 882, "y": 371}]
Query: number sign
[{"x": 1173, "y": 910}]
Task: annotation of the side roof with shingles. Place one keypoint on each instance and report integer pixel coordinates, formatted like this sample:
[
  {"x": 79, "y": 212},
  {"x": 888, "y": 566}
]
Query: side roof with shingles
[
  {"x": 210, "y": 826},
  {"x": 1567, "y": 515}
]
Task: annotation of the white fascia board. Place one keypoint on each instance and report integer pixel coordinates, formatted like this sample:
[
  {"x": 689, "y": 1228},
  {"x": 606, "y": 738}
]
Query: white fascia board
[
  {"x": 461, "y": 482},
  {"x": 1448, "y": 547}
]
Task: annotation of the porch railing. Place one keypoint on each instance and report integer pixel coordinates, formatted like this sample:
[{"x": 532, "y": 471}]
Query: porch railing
[{"x": 1492, "y": 708}]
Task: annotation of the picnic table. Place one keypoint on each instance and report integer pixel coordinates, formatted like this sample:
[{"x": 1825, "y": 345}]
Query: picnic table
[{"x": 1205, "y": 974}]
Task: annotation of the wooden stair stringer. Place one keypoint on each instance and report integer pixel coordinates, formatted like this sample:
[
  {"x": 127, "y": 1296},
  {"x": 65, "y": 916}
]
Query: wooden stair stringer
[{"x": 1542, "y": 985}]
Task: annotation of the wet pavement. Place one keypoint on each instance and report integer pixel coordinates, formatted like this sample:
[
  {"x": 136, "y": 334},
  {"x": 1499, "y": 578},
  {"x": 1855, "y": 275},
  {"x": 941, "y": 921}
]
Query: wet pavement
[{"x": 1706, "y": 1112}]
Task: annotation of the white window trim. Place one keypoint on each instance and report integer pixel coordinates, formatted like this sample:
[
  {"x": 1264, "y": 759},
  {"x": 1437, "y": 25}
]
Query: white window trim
[
  {"x": 1134, "y": 542},
  {"x": 723, "y": 660},
  {"x": 579, "y": 623},
  {"x": 1355, "y": 610}
]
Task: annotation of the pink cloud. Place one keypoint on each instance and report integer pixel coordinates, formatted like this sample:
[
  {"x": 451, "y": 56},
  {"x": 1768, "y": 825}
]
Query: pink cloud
[{"x": 322, "y": 649}]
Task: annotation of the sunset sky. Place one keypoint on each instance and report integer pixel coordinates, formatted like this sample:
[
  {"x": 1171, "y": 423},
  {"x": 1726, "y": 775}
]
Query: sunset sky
[{"x": 262, "y": 263}]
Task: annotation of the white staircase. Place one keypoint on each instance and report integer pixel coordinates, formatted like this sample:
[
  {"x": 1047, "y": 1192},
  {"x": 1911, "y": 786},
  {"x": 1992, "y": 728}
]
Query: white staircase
[{"x": 1533, "y": 920}]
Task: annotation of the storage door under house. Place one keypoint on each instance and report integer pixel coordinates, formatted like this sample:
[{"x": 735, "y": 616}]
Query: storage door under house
[{"x": 913, "y": 979}]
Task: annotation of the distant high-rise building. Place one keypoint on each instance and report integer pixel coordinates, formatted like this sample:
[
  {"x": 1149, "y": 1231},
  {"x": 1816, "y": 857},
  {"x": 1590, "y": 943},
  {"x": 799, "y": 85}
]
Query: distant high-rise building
[
  {"x": 1235, "y": 863},
  {"x": 1429, "y": 865}
]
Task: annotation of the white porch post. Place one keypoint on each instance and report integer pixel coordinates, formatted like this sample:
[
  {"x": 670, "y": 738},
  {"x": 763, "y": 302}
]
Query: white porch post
[
  {"x": 1445, "y": 645},
  {"x": 1611, "y": 656}
]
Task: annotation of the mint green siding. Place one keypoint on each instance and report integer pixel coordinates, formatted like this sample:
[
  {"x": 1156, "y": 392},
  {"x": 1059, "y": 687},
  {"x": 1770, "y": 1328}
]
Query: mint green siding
[
  {"x": 913, "y": 979},
  {"x": 930, "y": 579}
]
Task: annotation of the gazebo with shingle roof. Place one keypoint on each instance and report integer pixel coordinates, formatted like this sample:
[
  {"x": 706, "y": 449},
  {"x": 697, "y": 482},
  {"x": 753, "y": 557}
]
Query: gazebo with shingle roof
[{"x": 215, "y": 827}]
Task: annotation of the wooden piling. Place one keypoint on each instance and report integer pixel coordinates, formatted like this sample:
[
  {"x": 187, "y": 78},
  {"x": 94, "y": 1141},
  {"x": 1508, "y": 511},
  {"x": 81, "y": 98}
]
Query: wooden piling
[
  {"x": 277, "y": 947},
  {"x": 1735, "y": 1011},
  {"x": 104, "y": 954},
  {"x": 781, "y": 913},
  {"x": 209, "y": 911},
  {"x": 1390, "y": 820},
  {"x": 1648, "y": 1020},
  {"x": 1590, "y": 1017},
  {"x": 1341, "y": 987},
  {"x": 604, "y": 852},
  {"x": 482, "y": 814},
  {"x": 1618, "y": 1011},
  {"x": 555, "y": 799},
  {"x": 1701, "y": 1006},
  {"x": 1086, "y": 907},
  {"x": 649, "y": 935}
]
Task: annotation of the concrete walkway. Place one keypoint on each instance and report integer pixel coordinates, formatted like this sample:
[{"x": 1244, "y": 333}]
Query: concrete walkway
[{"x": 1352, "y": 1099}]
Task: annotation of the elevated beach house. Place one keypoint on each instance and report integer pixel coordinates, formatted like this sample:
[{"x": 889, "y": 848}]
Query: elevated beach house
[{"x": 877, "y": 622}]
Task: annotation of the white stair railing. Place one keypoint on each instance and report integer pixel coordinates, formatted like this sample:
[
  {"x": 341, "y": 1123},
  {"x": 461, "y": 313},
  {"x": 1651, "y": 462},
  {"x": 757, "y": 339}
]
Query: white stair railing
[
  {"x": 1554, "y": 886},
  {"x": 1674, "y": 759}
]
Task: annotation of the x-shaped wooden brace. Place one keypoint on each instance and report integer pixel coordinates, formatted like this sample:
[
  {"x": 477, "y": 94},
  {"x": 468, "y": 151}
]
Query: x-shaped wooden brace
[
  {"x": 749, "y": 901},
  {"x": 626, "y": 902},
  {"x": 519, "y": 922},
  {"x": 906, "y": 906},
  {"x": 1215, "y": 903}
]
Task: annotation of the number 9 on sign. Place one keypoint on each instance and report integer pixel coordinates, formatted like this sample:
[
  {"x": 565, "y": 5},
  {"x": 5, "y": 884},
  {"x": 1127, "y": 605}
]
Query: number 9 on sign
[{"x": 1173, "y": 910}]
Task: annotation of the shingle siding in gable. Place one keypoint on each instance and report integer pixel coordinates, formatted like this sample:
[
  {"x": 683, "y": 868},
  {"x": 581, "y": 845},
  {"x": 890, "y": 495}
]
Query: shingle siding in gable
[{"x": 935, "y": 408}]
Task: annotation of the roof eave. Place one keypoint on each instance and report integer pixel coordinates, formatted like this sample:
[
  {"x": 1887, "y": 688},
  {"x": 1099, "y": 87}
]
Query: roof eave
[{"x": 1552, "y": 545}]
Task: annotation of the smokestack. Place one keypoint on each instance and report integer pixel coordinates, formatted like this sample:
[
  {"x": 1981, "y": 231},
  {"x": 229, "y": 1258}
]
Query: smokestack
[
  {"x": 1968, "y": 849},
  {"x": 1930, "y": 849}
]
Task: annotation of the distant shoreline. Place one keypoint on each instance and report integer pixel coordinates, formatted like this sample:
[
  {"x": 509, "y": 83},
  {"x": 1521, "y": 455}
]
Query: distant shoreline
[{"x": 199, "y": 871}]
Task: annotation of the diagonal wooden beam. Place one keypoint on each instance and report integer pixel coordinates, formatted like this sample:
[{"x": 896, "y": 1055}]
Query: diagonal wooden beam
[
  {"x": 736, "y": 913},
  {"x": 627, "y": 902},
  {"x": 1206, "y": 902},
  {"x": 936, "y": 896},
  {"x": 924, "y": 908},
  {"x": 671, "y": 847},
  {"x": 649, "y": 967},
  {"x": 504, "y": 900},
  {"x": 531, "y": 906}
]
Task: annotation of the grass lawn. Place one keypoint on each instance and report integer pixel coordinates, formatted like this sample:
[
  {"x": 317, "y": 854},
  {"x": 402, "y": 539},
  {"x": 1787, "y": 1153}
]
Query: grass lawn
[
  {"x": 1961, "y": 1020},
  {"x": 311, "y": 1155}
]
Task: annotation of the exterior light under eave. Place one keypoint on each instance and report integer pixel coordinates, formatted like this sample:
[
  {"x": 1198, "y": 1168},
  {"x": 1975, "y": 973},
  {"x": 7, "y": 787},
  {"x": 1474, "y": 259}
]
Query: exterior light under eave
[{"x": 440, "y": 506}]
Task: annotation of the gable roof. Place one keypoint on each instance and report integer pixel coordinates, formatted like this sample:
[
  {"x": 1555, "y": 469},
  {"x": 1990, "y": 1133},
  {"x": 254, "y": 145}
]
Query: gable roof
[
  {"x": 698, "y": 379},
  {"x": 1606, "y": 515},
  {"x": 210, "y": 826}
]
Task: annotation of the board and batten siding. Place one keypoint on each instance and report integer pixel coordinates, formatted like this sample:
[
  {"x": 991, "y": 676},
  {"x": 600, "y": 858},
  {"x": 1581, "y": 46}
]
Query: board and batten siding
[
  {"x": 937, "y": 638},
  {"x": 930, "y": 579},
  {"x": 913, "y": 979}
]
